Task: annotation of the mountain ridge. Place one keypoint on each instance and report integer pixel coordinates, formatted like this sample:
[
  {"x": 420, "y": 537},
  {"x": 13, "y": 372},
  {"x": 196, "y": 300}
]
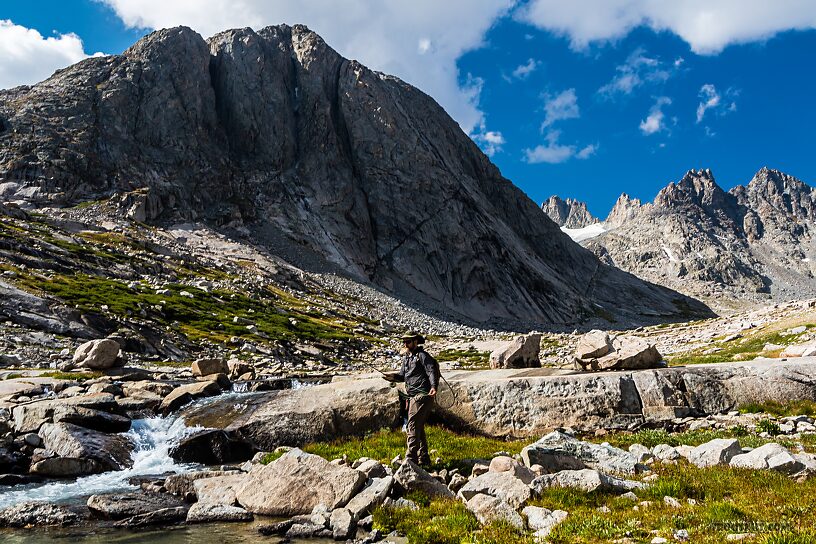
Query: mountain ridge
[
  {"x": 275, "y": 135},
  {"x": 752, "y": 242}
]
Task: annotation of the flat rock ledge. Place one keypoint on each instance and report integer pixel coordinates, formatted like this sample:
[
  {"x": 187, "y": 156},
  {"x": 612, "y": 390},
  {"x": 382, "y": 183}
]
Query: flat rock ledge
[{"x": 520, "y": 403}]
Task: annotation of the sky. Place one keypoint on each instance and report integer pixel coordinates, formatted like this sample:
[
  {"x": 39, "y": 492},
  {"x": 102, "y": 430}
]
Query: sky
[{"x": 585, "y": 99}]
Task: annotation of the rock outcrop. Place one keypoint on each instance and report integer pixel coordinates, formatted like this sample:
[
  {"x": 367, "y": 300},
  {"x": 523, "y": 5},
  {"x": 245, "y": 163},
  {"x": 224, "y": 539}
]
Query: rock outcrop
[
  {"x": 569, "y": 213},
  {"x": 274, "y": 131},
  {"x": 522, "y": 352}
]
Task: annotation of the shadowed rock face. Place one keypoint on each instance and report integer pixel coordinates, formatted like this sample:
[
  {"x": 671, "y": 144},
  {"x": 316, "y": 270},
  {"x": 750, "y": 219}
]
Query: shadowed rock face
[{"x": 274, "y": 131}]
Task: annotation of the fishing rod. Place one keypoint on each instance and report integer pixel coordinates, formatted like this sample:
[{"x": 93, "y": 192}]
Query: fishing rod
[{"x": 441, "y": 377}]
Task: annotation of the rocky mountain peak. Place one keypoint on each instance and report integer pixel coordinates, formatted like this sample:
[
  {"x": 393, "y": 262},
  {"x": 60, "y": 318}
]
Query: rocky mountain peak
[
  {"x": 625, "y": 209},
  {"x": 569, "y": 213},
  {"x": 696, "y": 188},
  {"x": 274, "y": 135}
]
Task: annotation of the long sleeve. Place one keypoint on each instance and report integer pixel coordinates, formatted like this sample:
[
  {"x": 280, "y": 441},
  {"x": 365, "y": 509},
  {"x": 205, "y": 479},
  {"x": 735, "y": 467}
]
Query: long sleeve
[{"x": 400, "y": 376}]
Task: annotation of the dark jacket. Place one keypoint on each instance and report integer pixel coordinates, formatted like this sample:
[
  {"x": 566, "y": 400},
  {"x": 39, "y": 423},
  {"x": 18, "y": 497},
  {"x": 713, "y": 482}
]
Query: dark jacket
[{"x": 418, "y": 372}]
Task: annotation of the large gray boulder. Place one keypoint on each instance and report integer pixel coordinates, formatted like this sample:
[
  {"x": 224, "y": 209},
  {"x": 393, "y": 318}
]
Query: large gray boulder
[
  {"x": 127, "y": 505},
  {"x": 542, "y": 520},
  {"x": 559, "y": 451},
  {"x": 105, "y": 451},
  {"x": 596, "y": 351},
  {"x": 296, "y": 417},
  {"x": 770, "y": 456},
  {"x": 202, "y": 512},
  {"x": 487, "y": 509},
  {"x": 522, "y": 352},
  {"x": 30, "y": 417},
  {"x": 371, "y": 496},
  {"x": 592, "y": 345},
  {"x": 97, "y": 354},
  {"x": 587, "y": 479},
  {"x": 411, "y": 477},
  {"x": 719, "y": 451},
  {"x": 503, "y": 485},
  {"x": 36, "y": 514},
  {"x": 207, "y": 367},
  {"x": 295, "y": 483}
]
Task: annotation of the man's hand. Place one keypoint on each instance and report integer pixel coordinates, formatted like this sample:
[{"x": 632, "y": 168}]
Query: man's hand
[{"x": 432, "y": 392}]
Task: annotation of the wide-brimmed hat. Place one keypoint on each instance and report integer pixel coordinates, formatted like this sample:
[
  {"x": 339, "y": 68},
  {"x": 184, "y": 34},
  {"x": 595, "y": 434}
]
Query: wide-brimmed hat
[{"x": 411, "y": 335}]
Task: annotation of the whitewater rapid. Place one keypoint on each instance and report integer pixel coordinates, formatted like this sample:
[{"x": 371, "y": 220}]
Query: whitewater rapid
[{"x": 152, "y": 438}]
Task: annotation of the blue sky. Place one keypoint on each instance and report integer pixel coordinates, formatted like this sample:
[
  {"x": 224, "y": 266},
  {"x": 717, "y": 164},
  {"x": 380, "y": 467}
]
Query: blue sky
[{"x": 585, "y": 100}]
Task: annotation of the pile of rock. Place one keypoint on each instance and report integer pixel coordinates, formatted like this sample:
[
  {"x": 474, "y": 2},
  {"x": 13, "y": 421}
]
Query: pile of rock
[{"x": 597, "y": 350}]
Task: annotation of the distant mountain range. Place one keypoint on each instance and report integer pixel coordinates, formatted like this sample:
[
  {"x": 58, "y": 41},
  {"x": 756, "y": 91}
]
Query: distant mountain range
[{"x": 752, "y": 243}]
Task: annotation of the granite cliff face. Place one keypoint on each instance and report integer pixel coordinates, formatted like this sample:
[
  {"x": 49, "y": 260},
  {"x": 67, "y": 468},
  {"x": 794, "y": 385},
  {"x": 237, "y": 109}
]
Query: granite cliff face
[
  {"x": 751, "y": 243},
  {"x": 274, "y": 135}
]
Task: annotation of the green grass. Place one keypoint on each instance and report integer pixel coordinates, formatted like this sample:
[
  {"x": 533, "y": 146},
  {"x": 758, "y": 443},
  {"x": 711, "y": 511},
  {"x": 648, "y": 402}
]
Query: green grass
[
  {"x": 78, "y": 376},
  {"x": 780, "y": 409},
  {"x": 205, "y": 316},
  {"x": 454, "y": 450},
  {"x": 772, "y": 505},
  {"x": 468, "y": 357},
  {"x": 742, "y": 349},
  {"x": 652, "y": 437}
]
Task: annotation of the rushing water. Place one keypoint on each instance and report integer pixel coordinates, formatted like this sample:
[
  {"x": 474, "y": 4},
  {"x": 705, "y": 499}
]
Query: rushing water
[{"x": 152, "y": 438}]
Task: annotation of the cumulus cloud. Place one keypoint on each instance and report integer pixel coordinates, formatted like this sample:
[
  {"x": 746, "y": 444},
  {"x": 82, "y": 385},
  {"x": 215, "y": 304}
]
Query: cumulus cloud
[
  {"x": 27, "y": 57},
  {"x": 554, "y": 152},
  {"x": 490, "y": 141},
  {"x": 655, "y": 121},
  {"x": 559, "y": 107},
  {"x": 418, "y": 41},
  {"x": 711, "y": 99},
  {"x": 708, "y": 26},
  {"x": 523, "y": 71},
  {"x": 638, "y": 70}
]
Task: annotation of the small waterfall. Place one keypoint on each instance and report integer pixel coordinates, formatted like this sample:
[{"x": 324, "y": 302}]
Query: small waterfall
[{"x": 152, "y": 438}]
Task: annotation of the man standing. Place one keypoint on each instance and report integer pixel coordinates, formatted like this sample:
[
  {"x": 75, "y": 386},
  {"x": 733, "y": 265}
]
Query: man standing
[{"x": 420, "y": 372}]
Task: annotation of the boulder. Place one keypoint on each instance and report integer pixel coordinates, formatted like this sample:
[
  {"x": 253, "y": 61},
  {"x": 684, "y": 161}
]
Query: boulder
[
  {"x": 219, "y": 489},
  {"x": 183, "y": 484},
  {"x": 503, "y": 485},
  {"x": 560, "y": 451},
  {"x": 184, "y": 394},
  {"x": 29, "y": 417},
  {"x": 770, "y": 456},
  {"x": 487, "y": 508},
  {"x": 64, "y": 467},
  {"x": 295, "y": 417},
  {"x": 206, "y": 367},
  {"x": 371, "y": 496},
  {"x": 630, "y": 353},
  {"x": 162, "y": 516},
  {"x": 295, "y": 483},
  {"x": 588, "y": 480},
  {"x": 665, "y": 452},
  {"x": 411, "y": 477},
  {"x": 36, "y": 514},
  {"x": 503, "y": 463},
  {"x": 97, "y": 354},
  {"x": 522, "y": 352},
  {"x": 91, "y": 419},
  {"x": 211, "y": 447},
  {"x": 107, "y": 451},
  {"x": 719, "y": 451},
  {"x": 127, "y": 505},
  {"x": 542, "y": 520},
  {"x": 212, "y": 512},
  {"x": 138, "y": 388},
  {"x": 342, "y": 524},
  {"x": 592, "y": 345}
]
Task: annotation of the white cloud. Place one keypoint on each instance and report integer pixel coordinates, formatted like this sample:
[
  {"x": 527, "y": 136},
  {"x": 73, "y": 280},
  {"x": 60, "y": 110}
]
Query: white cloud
[
  {"x": 490, "y": 141},
  {"x": 637, "y": 71},
  {"x": 554, "y": 152},
  {"x": 654, "y": 122},
  {"x": 587, "y": 151},
  {"x": 26, "y": 57},
  {"x": 524, "y": 70},
  {"x": 418, "y": 41},
  {"x": 708, "y": 26},
  {"x": 562, "y": 106},
  {"x": 711, "y": 99}
]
